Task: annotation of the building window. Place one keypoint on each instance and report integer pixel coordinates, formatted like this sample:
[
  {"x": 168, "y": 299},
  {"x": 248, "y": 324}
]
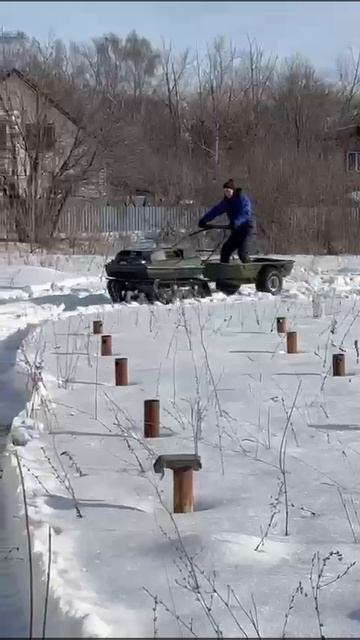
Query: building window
[
  {"x": 40, "y": 136},
  {"x": 353, "y": 161},
  {"x": 3, "y": 136}
]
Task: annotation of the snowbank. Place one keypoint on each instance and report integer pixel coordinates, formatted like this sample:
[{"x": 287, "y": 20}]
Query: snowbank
[
  {"x": 222, "y": 373},
  {"x": 31, "y": 282}
]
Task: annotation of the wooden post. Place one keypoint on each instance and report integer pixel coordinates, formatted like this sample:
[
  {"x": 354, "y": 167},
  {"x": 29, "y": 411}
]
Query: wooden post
[
  {"x": 281, "y": 325},
  {"x": 338, "y": 361},
  {"x": 106, "y": 346},
  {"x": 183, "y": 490},
  {"x": 97, "y": 327},
  {"x": 151, "y": 418},
  {"x": 121, "y": 372},
  {"x": 291, "y": 341}
]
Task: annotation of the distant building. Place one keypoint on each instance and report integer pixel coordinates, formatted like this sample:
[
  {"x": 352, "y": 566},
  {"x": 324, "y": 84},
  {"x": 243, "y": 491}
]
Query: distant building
[
  {"x": 35, "y": 128},
  {"x": 347, "y": 140}
]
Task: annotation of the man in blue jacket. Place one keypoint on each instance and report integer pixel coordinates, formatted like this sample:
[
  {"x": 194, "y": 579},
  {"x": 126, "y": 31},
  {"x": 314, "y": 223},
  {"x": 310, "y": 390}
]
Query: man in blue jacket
[{"x": 238, "y": 209}]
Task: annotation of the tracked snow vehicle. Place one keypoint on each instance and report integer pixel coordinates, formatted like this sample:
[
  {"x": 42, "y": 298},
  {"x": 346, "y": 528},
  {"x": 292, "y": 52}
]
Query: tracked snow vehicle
[
  {"x": 156, "y": 275},
  {"x": 168, "y": 274}
]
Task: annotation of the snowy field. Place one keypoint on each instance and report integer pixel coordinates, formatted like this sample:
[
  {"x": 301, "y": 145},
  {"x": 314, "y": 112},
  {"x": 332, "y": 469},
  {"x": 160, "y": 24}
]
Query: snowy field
[{"x": 271, "y": 545}]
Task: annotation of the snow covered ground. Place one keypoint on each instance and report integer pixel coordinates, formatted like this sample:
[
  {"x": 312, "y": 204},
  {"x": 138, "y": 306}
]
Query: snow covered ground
[
  {"x": 26, "y": 276},
  {"x": 120, "y": 560}
]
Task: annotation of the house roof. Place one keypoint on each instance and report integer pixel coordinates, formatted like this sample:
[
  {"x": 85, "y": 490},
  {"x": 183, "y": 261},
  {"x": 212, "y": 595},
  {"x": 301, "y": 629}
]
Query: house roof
[
  {"x": 343, "y": 133},
  {"x": 15, "y": 72},
  {"x": 350, "y": 128}
]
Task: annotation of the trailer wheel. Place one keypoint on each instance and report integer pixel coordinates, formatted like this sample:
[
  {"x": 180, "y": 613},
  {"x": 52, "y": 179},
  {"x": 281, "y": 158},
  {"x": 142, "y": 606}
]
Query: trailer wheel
[{"x": 269, "y": 280}]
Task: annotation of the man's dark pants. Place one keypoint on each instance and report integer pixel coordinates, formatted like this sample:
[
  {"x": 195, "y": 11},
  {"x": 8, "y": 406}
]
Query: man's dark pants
[{"x": 237, "y": 241}]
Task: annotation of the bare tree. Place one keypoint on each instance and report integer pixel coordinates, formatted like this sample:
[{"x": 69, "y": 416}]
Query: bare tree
[
  {"x": 176, "y": 124},
  {"x": 174, "y": 70},
  {"x": 219, "y": 84},
  {"x": 348, "y": 70},
  {"x": 141, "y": 63}
]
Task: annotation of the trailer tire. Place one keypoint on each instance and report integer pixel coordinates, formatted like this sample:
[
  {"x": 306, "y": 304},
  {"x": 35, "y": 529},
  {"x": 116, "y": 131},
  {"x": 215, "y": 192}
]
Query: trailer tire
[{"x": 269, "y": 280}]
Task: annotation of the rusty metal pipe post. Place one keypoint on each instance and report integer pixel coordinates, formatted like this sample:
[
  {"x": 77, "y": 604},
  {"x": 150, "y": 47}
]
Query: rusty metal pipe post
[
  {"x": 338, "y": 362},
  {"x": 121, "y": 372},
  {"x": 281, "y": 325},
  {"x": 183, "y": 490},
  {"x": 97, "y": 327},
  {"x": 182, "y": 465},
  {"x": 152, "y": 418},
  {"x": 106, "y": 345},
  {"x": 291, "y": 342}
]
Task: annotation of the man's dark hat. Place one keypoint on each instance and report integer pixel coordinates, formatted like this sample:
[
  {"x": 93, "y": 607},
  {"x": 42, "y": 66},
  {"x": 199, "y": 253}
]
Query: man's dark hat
[{"x": 229, "y": 184}]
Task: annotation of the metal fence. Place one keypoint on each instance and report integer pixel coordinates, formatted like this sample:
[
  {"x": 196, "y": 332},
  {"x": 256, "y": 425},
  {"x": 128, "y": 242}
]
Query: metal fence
[
  {"x": 294, "y": 230},
  {"x": 317, "y": 230},
  {"x": 91, "y": 219},
  {"x": 297, "y": 229}
]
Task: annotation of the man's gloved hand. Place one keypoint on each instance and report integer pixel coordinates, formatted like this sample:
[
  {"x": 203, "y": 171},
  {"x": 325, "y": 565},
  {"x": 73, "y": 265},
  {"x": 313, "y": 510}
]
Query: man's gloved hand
[{"x": 202, "y": 224}]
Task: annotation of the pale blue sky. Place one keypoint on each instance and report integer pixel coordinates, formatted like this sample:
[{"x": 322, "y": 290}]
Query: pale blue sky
[{"x": 320, "y": 30}]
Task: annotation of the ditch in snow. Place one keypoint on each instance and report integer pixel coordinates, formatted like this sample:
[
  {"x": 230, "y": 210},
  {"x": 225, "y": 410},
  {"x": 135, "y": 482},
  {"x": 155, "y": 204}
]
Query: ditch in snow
[{"x": 14, "y": 562}]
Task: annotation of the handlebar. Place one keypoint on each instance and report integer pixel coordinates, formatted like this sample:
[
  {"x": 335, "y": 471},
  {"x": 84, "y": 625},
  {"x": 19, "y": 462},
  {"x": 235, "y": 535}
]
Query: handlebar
[
  {"x": 216, "y": 226},
  {"x": 209, "y": 227}
]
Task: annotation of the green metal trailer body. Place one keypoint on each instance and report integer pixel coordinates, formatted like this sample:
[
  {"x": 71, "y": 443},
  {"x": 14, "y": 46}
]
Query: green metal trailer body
[{"x": 266, "y": 273}]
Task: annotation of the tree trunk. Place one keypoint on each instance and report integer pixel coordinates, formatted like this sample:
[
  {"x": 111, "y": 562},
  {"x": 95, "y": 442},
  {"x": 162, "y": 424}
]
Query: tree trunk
[{"x": 21, "y": 216}]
